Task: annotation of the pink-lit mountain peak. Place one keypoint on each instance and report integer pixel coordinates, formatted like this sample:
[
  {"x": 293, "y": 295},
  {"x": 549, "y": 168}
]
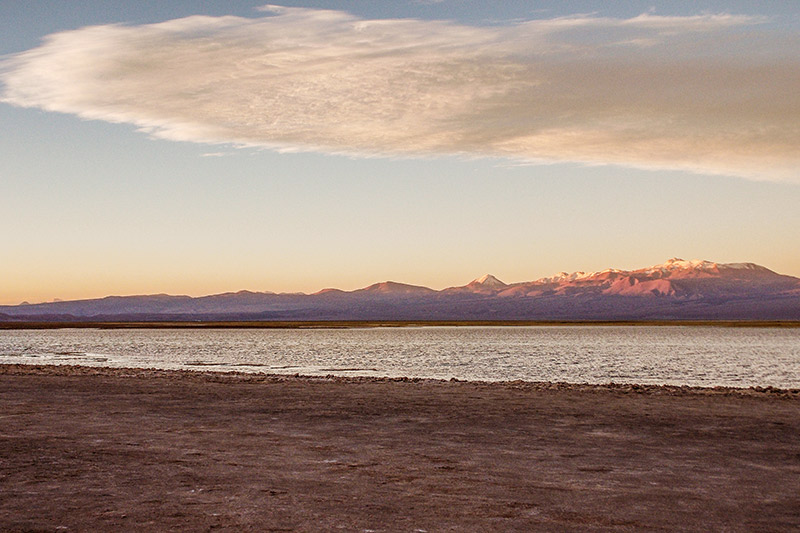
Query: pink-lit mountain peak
[
  {"x": 674, "y": 268},
  {"x": 676, "y": 277},
  {"x": 565, "y": 277},
  {"x": 680, "y": 268}
]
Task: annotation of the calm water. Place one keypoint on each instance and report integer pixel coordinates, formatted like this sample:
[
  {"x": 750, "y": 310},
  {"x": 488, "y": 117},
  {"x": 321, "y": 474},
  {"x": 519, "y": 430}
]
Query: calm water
[{"x": 703, "y": 356}]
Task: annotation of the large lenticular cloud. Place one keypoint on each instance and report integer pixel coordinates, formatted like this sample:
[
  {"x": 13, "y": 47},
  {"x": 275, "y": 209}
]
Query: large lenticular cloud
[{"x": 711, "y": 93}]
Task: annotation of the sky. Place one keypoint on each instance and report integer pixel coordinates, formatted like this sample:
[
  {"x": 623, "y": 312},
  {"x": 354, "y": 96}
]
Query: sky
[{"x": 204, "y": 147}]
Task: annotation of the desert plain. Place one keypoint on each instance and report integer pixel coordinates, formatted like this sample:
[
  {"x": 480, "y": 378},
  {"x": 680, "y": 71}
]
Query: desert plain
[{"x": 100, "y": 449}]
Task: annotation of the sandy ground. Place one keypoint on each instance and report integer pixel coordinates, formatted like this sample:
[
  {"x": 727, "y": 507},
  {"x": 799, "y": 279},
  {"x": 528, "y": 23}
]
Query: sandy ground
[{"x": 86, "y": 449}]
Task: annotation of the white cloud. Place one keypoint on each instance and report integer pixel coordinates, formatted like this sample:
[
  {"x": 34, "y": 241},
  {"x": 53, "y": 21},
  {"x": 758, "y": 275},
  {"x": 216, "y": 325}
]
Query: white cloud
[{"x": 656, "y": 92}]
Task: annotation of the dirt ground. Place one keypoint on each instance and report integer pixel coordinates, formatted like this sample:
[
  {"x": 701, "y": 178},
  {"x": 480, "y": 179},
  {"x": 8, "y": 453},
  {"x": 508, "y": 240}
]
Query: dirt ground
[{"x": 85, "y": 449}]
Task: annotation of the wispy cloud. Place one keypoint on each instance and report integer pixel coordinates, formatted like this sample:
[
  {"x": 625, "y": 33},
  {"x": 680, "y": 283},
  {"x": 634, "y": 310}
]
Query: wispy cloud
[{"x": 694, "y": 93}]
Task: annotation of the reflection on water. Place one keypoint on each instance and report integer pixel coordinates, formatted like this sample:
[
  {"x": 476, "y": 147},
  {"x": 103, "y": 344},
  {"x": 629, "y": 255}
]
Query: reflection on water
[{"x": 700, "y": 356}]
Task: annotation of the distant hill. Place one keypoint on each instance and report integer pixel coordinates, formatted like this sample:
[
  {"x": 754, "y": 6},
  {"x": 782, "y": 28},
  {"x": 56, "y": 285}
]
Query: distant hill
[{"x": 675, "y": 290}]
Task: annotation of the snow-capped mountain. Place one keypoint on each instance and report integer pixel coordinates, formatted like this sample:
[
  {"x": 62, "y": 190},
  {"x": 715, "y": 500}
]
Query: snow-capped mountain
[
  {"x": 676, "y": 278},
  {"x": 486, "y": 284},
  {"x": 487, "y": 281},
  {"x": 676, "y": 289}
]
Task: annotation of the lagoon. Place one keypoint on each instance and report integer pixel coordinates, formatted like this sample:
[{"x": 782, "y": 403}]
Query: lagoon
[{"x": 677, "y": 355}]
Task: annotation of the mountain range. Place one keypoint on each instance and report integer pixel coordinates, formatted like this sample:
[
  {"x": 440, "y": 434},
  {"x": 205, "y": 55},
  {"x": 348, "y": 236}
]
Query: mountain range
[{"x": 674, "y": 290}]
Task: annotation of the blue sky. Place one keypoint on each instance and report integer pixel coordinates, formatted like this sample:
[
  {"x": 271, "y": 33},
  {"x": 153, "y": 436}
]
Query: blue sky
[{"x": 450, "y": 140}]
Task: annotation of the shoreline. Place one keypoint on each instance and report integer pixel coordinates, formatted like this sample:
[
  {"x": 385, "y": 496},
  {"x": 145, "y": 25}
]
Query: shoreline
[
  {"x": 350, "y": 324},
  {"x": 233, "y": 376},
  {"x": 108, "y": 449}
]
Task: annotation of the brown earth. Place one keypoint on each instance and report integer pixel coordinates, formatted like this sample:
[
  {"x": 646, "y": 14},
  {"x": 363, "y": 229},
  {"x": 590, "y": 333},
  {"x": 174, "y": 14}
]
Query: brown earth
[{"x": 86, "y": 449}]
